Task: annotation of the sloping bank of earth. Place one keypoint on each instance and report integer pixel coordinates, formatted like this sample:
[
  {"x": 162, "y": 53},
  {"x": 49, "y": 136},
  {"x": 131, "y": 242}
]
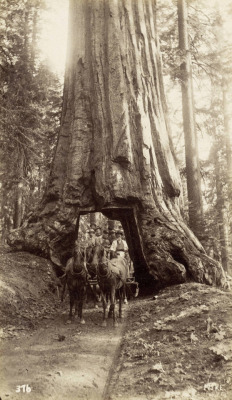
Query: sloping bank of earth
[{"x": 177, "y": 346}]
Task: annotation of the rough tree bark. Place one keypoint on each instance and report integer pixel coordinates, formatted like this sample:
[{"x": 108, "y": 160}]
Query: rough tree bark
[
  {"x": 222, "y": 215},
  {"x": 225, "y": 72},
  {"x": 114, "y": 152},
  {"x": 228, "y": 143},
  {"x": 190, "y": 135}
]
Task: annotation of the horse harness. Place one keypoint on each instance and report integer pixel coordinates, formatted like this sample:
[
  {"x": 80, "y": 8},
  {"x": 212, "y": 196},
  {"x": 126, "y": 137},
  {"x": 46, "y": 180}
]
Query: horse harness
[{"x": 109, "y": 273}]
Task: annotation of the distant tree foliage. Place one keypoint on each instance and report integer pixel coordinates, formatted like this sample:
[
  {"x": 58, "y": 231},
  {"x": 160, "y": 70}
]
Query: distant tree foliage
[{"x": 30, "y": 105}]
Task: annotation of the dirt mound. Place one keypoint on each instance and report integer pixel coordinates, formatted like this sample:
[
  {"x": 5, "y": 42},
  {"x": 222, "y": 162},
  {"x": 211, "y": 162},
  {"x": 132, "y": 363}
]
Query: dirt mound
[
  {"x": 177, "y": 346},
  {"x": 28, "y": 290}
]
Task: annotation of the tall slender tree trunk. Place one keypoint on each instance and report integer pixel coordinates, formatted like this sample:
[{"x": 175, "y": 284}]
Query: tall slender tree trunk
[
  {"x": 34, "y": 38},
  {"x": 114, "y": 153},
  {"x": 228, "y": 143},
  {"x": 18, "y": 207},
  {"x": 224, "y": 71},
  {"x": 93, "y": 219},
  {"x": 228, "y": 147},
  {"x": 221, "y": 214},
  {"x": 191, "y": 145}
]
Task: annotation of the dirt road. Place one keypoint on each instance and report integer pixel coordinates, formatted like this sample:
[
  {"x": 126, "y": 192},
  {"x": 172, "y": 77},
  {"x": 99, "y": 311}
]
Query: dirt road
[{"x": 59, "y": 360}]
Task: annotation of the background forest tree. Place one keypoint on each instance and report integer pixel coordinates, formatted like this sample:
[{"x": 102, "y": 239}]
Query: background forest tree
[
  {"x": 35, "y": 118},
  {"x": 30, "y": 98},
  {"x": 210, "y": 48}
]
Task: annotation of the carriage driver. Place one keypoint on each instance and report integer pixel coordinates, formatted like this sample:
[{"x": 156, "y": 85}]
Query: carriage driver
[
  {"x": 91, "y": 241},
  {"x": 119, "y": 246},
  {"x": 98, "y": 236}
]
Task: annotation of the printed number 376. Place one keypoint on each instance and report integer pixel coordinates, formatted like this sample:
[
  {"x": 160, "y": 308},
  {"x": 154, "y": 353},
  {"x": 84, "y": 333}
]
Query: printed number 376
[{"x": 23, "y": 388}]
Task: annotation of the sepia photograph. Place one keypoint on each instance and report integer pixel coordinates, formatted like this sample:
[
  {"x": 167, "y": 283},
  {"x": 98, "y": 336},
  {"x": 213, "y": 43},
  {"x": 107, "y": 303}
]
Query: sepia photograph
[{"x": 116, "y": 199}]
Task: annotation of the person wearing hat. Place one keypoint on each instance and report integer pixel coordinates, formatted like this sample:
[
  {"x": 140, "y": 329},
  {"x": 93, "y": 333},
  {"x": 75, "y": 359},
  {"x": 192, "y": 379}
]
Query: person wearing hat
[
  {"x": 119, "y": 246},
  {"x": 98, "y": 236},
  {"x": 91, "y": 241},
  {"x": 105, "y": 240},
  {"x": 93, "y": 226},
  {"x": 105, "y": 234},
  {"x": 112, "y": 236}
]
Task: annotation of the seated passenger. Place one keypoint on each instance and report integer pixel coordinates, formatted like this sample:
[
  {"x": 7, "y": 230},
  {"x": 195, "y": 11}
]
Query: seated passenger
[
  {"x": 119, "y": 246},
  {"x": 91, "y": 240},
  {"x": 98, "y": 236}
]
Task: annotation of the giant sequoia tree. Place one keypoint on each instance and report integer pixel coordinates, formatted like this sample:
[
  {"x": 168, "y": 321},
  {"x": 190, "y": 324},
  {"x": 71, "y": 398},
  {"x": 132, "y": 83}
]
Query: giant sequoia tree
[{"x": 114, "y": 153}]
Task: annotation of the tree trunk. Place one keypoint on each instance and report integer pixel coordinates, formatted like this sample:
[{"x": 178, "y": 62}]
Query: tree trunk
[
  {"x": 93, "y": 220},
  {"x": 228, "y": 143},
  {"x": 221, "y": 215},
  {"x": 114, "y": 154},
  {"x": 191, "y": 145},
  {"x": 224, "y": 70}
]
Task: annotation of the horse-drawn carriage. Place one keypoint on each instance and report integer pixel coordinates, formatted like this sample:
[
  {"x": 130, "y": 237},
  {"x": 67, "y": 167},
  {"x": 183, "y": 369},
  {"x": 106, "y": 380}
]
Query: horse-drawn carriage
[{"x": 95, "y": 271}]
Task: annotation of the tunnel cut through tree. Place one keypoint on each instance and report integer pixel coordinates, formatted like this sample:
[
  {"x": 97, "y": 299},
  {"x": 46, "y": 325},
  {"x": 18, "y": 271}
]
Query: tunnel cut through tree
[
  {"x": 114, "y": 153},
  {"x": 95, "y": 220}
]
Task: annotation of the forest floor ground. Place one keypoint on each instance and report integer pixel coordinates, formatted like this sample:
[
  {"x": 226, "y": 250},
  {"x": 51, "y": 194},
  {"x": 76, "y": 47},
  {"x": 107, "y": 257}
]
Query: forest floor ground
[{"x": 175, "y": 345}]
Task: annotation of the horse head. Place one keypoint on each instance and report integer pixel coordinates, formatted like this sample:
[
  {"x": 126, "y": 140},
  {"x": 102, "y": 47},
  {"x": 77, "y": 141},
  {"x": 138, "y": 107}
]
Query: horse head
[
  {"x": 89, "y": 261},
  {"x": 98, "y": 254},
  {"x": 95, "y": 256},
  {"x": 102, "y": 267},
  {"x": 89, "y": 253},
  {"x": 78, "y": 259}
]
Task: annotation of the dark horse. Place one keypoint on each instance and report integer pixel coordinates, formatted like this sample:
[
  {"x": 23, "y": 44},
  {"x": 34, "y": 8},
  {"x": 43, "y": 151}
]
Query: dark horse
[
  {"x": 76, "y": 280},
  {"x": 91, "y": 261},
  {"x": 112, "y": 275},
  {"x": 93, "y": 290}
]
